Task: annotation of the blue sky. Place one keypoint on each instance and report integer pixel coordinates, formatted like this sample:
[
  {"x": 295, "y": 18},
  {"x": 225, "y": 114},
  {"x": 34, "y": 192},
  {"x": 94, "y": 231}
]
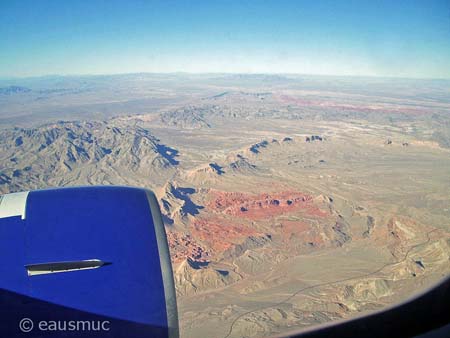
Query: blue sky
[{"x": 380, "y": 38}]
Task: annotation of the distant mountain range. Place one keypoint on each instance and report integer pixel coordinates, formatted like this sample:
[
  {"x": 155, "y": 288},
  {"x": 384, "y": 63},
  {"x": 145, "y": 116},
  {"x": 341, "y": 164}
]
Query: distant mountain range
[{"x": 10, "y": 90}]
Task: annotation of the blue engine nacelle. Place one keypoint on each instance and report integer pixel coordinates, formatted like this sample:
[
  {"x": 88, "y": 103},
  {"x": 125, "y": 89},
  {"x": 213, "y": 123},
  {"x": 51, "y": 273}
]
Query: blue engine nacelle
[{"x": 85, "y": 262}]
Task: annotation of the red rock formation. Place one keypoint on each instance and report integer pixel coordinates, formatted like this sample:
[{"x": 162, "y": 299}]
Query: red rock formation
[
  {"x": 220, "y": 234},
  {"x": 229, "y": 218},
  {"x": 262, "y": 206},
  {"x": 183, "y": 246}
]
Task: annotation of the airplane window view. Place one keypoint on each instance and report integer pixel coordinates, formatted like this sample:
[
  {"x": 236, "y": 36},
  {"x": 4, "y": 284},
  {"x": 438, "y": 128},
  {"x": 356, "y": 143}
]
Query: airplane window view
[{"x": 224, "y": 169}]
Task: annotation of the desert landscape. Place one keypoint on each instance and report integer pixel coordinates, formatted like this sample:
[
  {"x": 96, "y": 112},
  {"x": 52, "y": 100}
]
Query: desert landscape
[{"x": 288, "y": 200}]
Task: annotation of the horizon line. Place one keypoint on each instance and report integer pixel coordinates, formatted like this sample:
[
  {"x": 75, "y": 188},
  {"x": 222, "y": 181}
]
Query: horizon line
[{"x": 25, "y": 77}]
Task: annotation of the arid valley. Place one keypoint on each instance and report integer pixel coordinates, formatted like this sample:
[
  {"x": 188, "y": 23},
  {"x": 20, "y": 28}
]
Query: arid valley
[{"x": 288, "y": 201}]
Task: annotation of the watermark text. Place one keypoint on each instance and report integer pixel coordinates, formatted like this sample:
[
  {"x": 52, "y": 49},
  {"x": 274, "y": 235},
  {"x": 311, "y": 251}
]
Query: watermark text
[{"x": 28, "y": 325}]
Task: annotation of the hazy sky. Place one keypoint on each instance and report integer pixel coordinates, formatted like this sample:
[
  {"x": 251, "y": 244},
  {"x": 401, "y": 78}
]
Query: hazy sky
[{"x": 383, "y": 38}]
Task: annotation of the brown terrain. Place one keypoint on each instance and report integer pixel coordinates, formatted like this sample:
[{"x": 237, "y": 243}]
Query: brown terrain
[{"x": 288, "y": 202}]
